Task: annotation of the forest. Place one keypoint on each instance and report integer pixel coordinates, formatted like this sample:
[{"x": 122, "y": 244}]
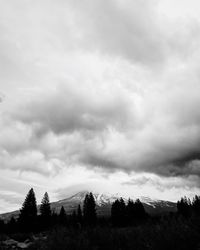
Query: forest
[{"x": 128, "y": 227}]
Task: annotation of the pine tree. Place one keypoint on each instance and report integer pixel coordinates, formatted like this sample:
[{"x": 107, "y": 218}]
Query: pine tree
[
  {"x": 196, "y": 205},
  {"x": 140, "y": 213},
  {"x": 62, "y": 216},
  {"x": 184, "y": 207},
  {"x": 28, "y": 212},
  {"x": 93, "y": 214},
  {"x": 130, "y": 212},
  {"x": 115, "y": 213},
  {"x": 74, "y": 217},
  {"x": 118, "y": 213},
  {"x": 79, "y": 214},
  {"x": 2, "y": 226},
  {"x": 89, "y": 209},
  {"x": 122, "y": 212},
  {"x": 123, "y": 215},
  {"x": 45, "y": 210}
]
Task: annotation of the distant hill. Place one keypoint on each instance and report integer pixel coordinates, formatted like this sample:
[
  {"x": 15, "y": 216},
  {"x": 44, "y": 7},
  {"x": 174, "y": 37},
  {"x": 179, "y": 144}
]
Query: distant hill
[{"x": 104, "y": 202}]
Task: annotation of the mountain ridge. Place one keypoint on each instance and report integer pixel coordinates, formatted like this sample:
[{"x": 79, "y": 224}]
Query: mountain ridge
[{"x": 104, "y": 203}]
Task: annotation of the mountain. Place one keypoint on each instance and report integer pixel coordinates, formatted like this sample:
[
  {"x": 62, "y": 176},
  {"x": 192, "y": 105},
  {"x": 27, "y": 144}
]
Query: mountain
[{"x": 104, "y": 202}]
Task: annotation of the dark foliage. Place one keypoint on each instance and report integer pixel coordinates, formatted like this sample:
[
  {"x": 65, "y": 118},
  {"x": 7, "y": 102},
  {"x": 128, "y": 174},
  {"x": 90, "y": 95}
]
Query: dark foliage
[
  {"x": 45, "y": 211},
  {"x": 130, "y": 214},
  {"x": 89, "y": 210},
  {"x": 28, "y": 213},
  {"x": 165, "y": 234},
  {"x": 131, "y": 228},
  {"x": 79, "y": 214},
  {"x": 2, "y": 226},
  {"x": 196, "y": 205},
  {"x": 62, "y": 216},
  {"x": 118, "y": 212},
  {"x": 184, "y": 207}
]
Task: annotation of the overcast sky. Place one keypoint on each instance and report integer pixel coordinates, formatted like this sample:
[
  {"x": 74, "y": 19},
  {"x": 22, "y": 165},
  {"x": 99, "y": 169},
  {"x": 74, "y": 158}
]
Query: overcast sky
[{"x": 101, "y": 95}]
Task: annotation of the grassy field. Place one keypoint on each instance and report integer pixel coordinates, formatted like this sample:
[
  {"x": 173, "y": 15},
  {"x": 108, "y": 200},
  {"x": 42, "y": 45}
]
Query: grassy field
[{"x": 165, "y": 234}]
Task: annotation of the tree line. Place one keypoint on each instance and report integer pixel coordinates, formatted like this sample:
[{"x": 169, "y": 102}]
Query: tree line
[
  {"x": 33, "y": 219},
  {"x": 123, "y": 214},
  {"x": 37, "y": 218},
  {"x": 188, "y": 208}
]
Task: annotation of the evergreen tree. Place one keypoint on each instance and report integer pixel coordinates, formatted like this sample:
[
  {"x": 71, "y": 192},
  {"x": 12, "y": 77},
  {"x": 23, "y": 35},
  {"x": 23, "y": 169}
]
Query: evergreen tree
[
  {"x": 118, "y": 213},
  {"x": 184, "y": 207},
  {"x": 123, "y": 215},
  {"x": 54, "y": 217},
  {"x": 28, "y": 212},
  {"x": 62, "y": 216},
  {"x": 89, "y": 210},
  {"x": 45, "y": 210},
  {"x": 2, "y": 226},
  {"x": 196, "y": 205},
  {"x": 130, "y": 212},
  {"x": 79, "y": 214},
  {"x": 122, "y": 212},
  {"x": 74, "y": 217},
  {"x": 115, "y": 213},
  {"x": 139, "y": 210}
]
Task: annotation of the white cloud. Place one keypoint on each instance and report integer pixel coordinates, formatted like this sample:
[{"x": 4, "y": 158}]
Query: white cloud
[{"x": 102, "y": 84}]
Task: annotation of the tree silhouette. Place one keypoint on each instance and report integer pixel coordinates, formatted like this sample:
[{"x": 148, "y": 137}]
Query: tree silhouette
[
  {"x": 45, "y": 210},
  {"x": 89, "y": 210},
  {"x": 79, "y": 214},
  {"x": 62, "y": 216},
  {"x": 130, "y": 212},
  {"x": 184, "y": 207},
  {"x": 2, "y": 226},
  {"x": 74, "y": 217},
  {"x": 196, "y": 205},
  {"x": 28, "y": 212},
  {"x": 140, "y": 213},
  {"x": 118, "y": 213},
  {"x": 115, "y": 213}
]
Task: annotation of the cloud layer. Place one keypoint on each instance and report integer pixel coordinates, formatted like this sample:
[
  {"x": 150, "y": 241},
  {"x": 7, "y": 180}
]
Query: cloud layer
[{"x": 104, "y": 85}]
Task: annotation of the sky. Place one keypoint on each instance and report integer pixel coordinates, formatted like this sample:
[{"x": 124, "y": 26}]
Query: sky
[{"x": 99, "y": 95}]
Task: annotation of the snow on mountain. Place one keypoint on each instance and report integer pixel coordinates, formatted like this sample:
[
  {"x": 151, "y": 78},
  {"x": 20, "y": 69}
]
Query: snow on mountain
[{"x": 103, "y": 200}]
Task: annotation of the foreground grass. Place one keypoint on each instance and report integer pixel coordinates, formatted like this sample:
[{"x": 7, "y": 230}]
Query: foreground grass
[{"x": 176, "y": 234}]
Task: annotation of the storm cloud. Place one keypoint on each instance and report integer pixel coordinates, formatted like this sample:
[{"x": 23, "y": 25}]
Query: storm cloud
[{"x": 105, "y": 85}]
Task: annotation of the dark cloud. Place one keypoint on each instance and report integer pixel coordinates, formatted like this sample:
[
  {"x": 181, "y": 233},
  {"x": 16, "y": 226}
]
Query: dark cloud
[
  {"x": 165, "y": 183},
  {"x": 67, "y": 110},
  {"x": 103, "y": 129}
]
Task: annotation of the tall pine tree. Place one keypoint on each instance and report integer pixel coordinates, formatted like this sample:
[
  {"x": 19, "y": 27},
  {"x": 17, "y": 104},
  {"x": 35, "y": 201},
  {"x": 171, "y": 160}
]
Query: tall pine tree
[
  {"x": 62, "y": 216},
  {"x": 184, "y": 207},
  {"x": 89, "y": 210},
  {"x": 45, "y": 210},
  {"x": 79, "y": 214},
  {"x": 118, "y": 212},
  {"x": 28, "y": 212},
  {"x": 196, "y": 205}
]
